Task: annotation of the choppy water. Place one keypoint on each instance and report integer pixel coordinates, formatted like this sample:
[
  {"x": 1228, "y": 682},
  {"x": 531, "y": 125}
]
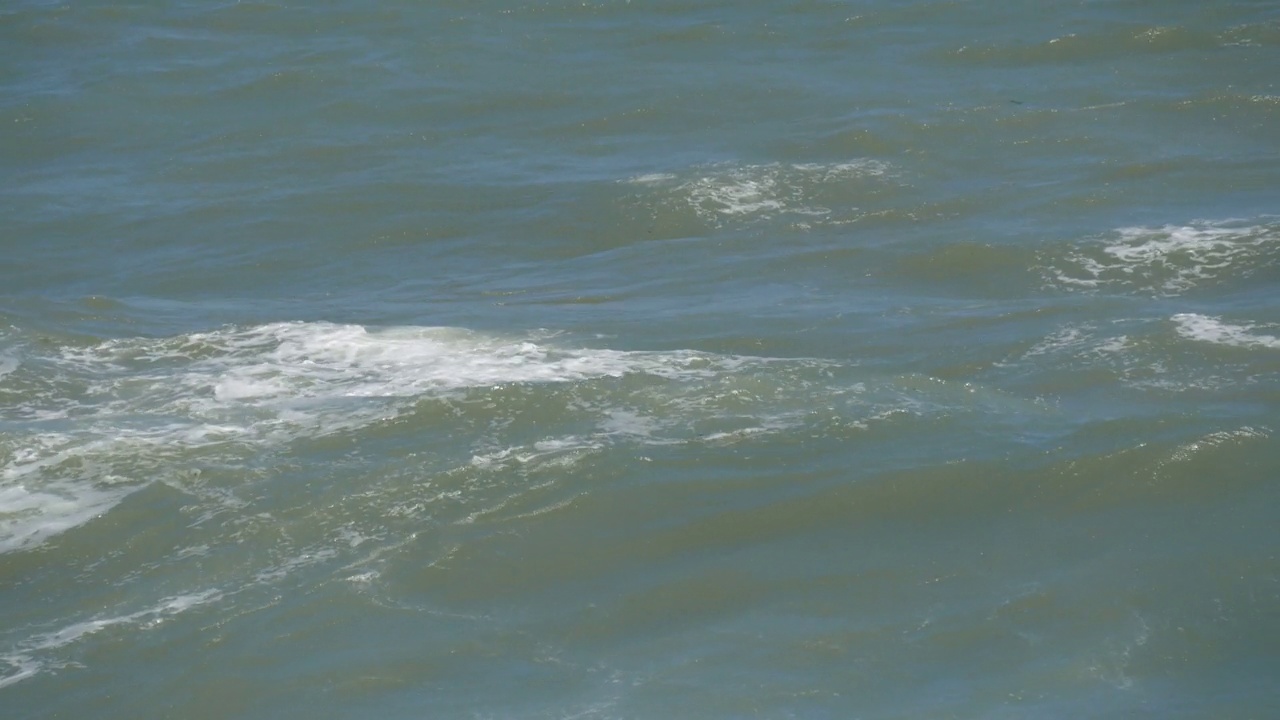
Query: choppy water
[{"x": 640, "y": 360}]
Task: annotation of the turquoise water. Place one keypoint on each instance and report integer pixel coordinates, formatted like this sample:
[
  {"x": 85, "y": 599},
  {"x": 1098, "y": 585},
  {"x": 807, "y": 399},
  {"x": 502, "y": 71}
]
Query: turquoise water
[{"x": 640, "y": 360}]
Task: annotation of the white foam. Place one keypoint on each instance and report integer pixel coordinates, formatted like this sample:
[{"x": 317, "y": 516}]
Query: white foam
[
  {"x": 733, "y": 192},
  {"x": 321, "y": 360},
  {"x": 651, "y": 178},
  {"x": 844, "y": 171},
  {"x": 1117, "y": 344},
  {"x": 1081, "y": 340},
  {"x": 1170, "y": 259},
  {"x": 1203, "y": 328},
  {"x": 283, "y": 569},
  {"x": 738, "y": 192},
  {"x": 1217, "y": 439},
  {"x": 630, "y": 423},
  {"x": 1071, "y": 337},
  {"x": 38, "y": 652},
  {"x": 560, "y": 450}
]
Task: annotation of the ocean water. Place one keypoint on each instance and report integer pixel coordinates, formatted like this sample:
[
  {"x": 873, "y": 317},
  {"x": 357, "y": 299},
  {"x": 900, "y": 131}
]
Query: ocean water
[{"x": 628, "y": 359}]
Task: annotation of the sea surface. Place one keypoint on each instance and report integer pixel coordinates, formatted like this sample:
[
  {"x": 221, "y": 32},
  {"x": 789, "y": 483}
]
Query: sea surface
[{"x": 640, "y": 359}]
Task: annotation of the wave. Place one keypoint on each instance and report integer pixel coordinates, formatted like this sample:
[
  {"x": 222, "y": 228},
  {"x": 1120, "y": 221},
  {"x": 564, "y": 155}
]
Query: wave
[
  {"x": 1109, "y": 42},
  {"x": 444, "y": 427},
  {"x": 1166, "y": 354},
  {"x": 89, "y": 424}
]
